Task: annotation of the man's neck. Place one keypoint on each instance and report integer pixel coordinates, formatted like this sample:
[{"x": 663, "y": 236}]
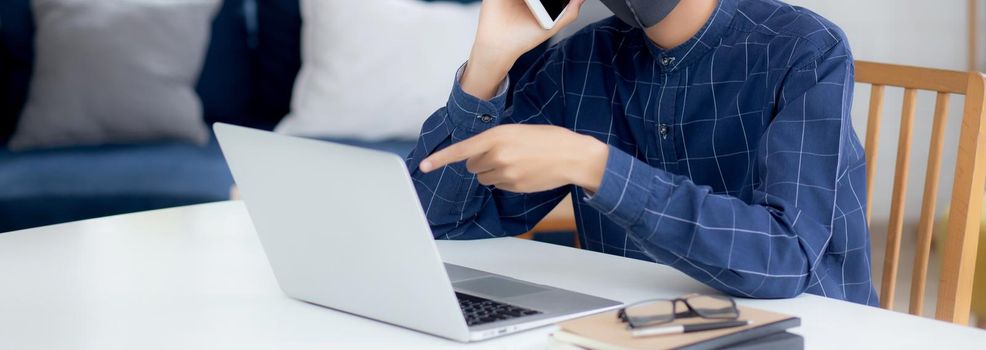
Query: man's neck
[{"x": 682, "y": 23}]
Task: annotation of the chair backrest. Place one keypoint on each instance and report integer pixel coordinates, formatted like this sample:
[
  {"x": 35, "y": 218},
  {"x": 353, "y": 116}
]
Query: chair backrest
[{"x": 959, "y": 257}]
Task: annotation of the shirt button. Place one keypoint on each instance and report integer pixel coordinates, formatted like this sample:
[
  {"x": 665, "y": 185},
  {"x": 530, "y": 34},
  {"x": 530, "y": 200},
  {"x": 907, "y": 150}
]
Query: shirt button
[
  {"x": 486, "y": 118},
  {"x": 664, "y": 129},
  {"x": 667, "y": 61}
]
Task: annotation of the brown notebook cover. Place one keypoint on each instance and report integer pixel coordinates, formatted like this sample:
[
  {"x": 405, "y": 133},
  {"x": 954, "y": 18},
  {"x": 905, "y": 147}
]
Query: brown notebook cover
[{"x": 605, "y": 332}]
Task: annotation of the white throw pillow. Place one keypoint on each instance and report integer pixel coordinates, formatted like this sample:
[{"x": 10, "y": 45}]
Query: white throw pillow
[
  {"x": 376, "y": 69},
  {"x": 116, "y": 71}
]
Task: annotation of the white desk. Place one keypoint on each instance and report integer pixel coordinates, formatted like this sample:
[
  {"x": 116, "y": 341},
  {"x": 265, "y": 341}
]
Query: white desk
[{"x": 196, "y": 277}]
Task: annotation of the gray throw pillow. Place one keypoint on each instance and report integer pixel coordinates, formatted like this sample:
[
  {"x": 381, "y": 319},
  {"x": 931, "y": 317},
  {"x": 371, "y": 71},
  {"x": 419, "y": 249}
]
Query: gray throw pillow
[{"x": 116, "y": 71}]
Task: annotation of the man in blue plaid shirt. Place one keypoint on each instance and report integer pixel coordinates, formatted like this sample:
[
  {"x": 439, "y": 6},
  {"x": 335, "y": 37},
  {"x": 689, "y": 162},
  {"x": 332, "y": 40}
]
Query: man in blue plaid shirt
[{"x": 713, "y": 136}]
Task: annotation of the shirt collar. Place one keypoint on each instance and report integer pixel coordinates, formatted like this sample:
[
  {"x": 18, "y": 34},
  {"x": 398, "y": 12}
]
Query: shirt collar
[{"x": 705, "y": 40}]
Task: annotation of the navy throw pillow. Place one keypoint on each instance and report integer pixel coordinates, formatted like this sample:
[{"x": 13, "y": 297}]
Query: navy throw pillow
[
  {"x": 278, "y": 57},
  {"x": 225, "y": 84},
  {"x": 16, "y": 60},
  {"x": 4, "y": 133}
]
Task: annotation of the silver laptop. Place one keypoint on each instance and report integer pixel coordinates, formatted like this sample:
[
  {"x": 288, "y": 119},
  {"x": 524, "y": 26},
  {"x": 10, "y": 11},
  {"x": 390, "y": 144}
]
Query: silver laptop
[{"x": 342, "y": 227}]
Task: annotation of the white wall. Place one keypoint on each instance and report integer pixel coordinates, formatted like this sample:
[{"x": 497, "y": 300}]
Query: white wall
[{"x": 915, "y": 32}]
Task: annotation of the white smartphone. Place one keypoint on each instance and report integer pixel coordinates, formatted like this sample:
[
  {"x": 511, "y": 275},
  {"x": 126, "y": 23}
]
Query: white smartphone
[{"x": 547, "y": 12}]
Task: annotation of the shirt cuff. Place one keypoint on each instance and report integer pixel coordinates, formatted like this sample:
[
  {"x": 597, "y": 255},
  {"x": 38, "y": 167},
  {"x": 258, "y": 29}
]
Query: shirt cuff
[
  {"x": 627, "y": 187},
  {"x": 471, "y": 113}
]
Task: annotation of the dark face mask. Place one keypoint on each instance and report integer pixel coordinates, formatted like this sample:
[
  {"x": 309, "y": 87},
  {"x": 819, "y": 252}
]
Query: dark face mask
[{"x": 641, "y": 13}]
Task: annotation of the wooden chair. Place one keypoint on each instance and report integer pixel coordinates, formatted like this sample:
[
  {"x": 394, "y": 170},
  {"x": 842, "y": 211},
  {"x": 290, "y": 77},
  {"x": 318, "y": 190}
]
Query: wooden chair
[
  {"x": 561, "y": 219},
  {"x": 955, "y": 290},
  {"x": 959, "y": 258},
  {"x": 973, "y": 35}
]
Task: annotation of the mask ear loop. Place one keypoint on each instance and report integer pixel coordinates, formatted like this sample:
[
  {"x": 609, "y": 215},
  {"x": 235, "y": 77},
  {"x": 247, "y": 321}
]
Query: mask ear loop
[{"x": 634, "y": 13}]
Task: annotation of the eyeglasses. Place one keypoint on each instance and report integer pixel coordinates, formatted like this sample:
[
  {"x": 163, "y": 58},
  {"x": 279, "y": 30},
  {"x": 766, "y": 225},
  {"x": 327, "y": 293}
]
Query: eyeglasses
[{"x": 659, "y": 311}]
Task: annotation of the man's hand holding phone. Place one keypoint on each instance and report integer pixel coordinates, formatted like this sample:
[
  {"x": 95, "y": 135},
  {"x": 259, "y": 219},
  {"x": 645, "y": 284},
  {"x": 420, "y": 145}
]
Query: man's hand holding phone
[{"x": 507, "y": 30}]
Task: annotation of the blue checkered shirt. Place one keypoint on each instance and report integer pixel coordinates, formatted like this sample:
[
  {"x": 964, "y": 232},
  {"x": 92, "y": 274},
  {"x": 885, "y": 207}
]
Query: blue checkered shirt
[{"x": 732, "y": 156}]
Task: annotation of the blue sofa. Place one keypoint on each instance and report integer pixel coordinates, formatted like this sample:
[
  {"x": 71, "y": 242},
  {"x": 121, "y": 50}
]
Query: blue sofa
[{"x": 253, "y": 58}]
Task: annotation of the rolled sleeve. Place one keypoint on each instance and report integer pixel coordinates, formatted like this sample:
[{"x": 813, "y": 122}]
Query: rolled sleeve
[
  {"x": 627, "y": 186},
  {"x": 472, "y": 114}
]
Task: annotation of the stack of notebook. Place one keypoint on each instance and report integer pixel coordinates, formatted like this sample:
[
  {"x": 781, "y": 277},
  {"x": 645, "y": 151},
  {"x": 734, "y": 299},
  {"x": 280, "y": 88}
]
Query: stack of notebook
[{"x": 767, "y": 330}]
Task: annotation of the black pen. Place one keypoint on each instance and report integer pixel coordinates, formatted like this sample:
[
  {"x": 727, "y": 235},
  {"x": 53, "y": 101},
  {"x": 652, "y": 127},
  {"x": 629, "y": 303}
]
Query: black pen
[{"x": 687, "y": 328}]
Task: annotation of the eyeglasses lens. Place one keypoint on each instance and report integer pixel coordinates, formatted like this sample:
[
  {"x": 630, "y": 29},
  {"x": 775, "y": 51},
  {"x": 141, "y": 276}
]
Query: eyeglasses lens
[
  {"x": 713, "y": 307},
  {"x": 650, "y": 312}
]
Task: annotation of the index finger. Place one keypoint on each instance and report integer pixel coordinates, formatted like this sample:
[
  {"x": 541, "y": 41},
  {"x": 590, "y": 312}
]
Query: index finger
[{"x": 457, "y": 152}]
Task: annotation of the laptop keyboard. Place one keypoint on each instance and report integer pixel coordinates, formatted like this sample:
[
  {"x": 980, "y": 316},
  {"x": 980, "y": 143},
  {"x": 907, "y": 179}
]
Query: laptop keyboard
[{"x": 480, "y": 310}]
